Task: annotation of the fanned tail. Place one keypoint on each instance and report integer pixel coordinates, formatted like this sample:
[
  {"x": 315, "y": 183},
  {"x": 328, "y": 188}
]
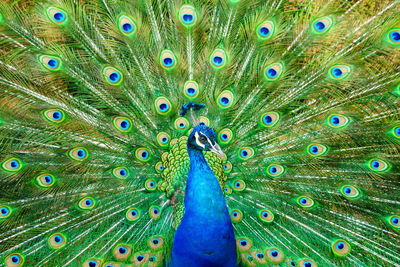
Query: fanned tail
[{"x": 303, "y": 97}]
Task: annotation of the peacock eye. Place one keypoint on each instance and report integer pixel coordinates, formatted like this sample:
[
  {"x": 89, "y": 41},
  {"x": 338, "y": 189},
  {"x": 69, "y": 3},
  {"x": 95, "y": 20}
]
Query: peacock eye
[
  {"x": 57, "y": 241},
  {"x": 167, "y": 60},
  {"x": 122, "y": 252},
  {"x": 14, "y": 259},
  {"x": 127, "y": 26},
  {"x": 218, "y": 59},
  {"x": 4, "y": 212},
  {"x": 51, "y": 63},
  {"x": 202, "y": 139},
  {"x": 56, "y": 15},
  {"x": 341, "y": 248},
  {"x": 156, "y": 242}
]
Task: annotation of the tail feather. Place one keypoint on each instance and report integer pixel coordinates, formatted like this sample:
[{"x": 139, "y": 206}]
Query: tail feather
[{"x": 303, "y": 97}]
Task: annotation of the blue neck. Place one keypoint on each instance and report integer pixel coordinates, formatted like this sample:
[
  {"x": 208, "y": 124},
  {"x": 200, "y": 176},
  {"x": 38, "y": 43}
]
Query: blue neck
[
  {"x": 205, "y": 236},
  {"x": 203, "y": 194}
]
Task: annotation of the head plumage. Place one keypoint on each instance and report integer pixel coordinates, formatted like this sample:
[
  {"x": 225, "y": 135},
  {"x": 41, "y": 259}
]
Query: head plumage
[{"x": 191, "y": 107}]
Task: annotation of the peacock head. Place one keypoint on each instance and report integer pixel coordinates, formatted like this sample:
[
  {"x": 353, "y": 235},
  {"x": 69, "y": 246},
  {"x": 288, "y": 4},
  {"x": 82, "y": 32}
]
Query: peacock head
[{"x": 203, "y": 138}]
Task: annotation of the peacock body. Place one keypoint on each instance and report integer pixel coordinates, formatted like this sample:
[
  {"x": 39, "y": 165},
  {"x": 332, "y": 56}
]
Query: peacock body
[
  {"x": 199, "y": 133},
  {"x": 205, "y": 235}
]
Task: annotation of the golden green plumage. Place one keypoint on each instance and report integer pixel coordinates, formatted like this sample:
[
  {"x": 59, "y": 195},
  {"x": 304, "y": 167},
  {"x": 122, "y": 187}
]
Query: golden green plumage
[{"x": 303, "y": 97}]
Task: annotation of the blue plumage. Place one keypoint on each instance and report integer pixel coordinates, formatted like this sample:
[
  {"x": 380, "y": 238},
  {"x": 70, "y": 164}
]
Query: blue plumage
[{"x": 205, "y": 236}]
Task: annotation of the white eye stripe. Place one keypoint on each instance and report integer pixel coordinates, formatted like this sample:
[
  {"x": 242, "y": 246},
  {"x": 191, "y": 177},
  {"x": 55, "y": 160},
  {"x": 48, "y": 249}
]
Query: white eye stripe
[
  {"x": 208, "y": 139},
  {"x": 196, "y": 135}
]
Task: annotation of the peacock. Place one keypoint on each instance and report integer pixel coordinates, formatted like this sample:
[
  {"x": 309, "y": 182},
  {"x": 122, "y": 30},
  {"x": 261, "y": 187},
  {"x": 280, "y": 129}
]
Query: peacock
[{"x": 199, "y": 133}]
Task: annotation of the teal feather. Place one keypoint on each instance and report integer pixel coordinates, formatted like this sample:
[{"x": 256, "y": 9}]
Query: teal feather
[{"x": 303, "y": 98}]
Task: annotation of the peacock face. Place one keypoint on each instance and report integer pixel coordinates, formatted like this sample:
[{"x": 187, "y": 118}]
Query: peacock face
[{"x": 203, "y": 138}]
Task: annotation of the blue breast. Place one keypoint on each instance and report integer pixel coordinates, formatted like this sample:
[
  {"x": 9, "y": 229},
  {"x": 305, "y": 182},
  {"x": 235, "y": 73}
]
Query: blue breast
[{"x": 205, "y": 236}]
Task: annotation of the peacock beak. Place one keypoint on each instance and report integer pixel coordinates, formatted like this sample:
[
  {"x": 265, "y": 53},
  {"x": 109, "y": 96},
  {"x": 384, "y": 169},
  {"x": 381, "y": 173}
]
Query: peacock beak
[{"x": 217, "y": 150}]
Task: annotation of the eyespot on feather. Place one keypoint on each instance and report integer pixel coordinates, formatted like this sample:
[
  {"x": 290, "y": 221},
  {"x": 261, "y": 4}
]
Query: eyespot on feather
[
  {"x": 187, "y": 16},
  {"x": 269, "y": 119},
  {"x": 305, "y": 202},
  {"x": 316, "y": 150},
  {"x": 159, "y": 167},
  {"x": 204, "y": 121},
  {"x": 291, "y": 262},
  {"x": 14, "y": 260},
  {"x": 92, "y": 262},
  {"x": 227, "y": 190},
  {"x": 121, "y": 172},
  {"x": 349, "y": 191},
  {"x": 167, "y": 60},
  {"x": 218, "y": 59},
  {"x": 337, "y": 121},
  {"x": 54, "y": 115},
  {"x": 341, "y": 248},
  {"x": 150, "y": 185},
  {"x": 227, "y": 166},
  {"x": 225, "y": 136},
  {"x": 45, "y": 180},
  {"x": 393, "y": 36},
  {"x": 247, "y": 259},
  {"x": 225, "y": 99},
  {"x": 142, "y": 154},
  {"x": 321, "y": 25},
  {"x": 78, "y": 154},
  {"x": 162, "y": 105},
  {"x": 245, "y": 153},
  {"x": 122, "y": 252},
  {"x": 275, "y": 170},
  {"x": 57, "y": 241},
  {"x": 265, "y": 30},
  {"x": 122, "y": 124},
  {"x": 155, "y": 212},
  {"x": 238, "y": 185},
  {"x": 274, "y": 255},
  {"x": 57, "y": 15},
  {"x": 163, "y": 139},
  {"x": 126, "y": 26},
  {"x": 396, "y": 131},
  {"x": 5, "y": 212},
  {"x": 140, "y": 258},
  {"x": 132, "y": 214},
  {"x": 243, "y": 244},
  {"x": 259, "y": 257},
  {"x": 51, "y": 63},
  {"x": 339, "y": 72},
  {"x": 87, "y": 203},
  {"x": 307, "y": 263},
  {"x": 236, "y": 216},
  {"x": 378, "y": 165},
  {"x": 112, "y": 76},
  {"x": 273, "y": 71},
  {"x": 153, "y": 260},
  {"x": 156, "y": 242},
  {"x": 12, "y": 165},
  {"x": 394, "y": 221},
  {"x": 266, "y": 216},
  {"x": 191, "y": 89},
  {"x": 181, "y": 124}
]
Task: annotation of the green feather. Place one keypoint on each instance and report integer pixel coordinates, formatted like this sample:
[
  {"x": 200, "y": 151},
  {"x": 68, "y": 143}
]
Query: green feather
[{"x": 302, "y": 95}]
